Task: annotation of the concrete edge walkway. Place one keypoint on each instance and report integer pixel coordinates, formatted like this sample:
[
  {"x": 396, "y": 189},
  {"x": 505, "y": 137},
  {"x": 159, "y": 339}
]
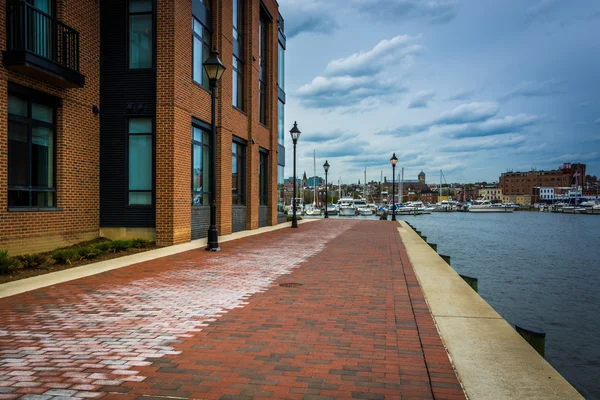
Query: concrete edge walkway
[
  {"x": 491, "y": 359},
  {"x": 54, "y": 278}
]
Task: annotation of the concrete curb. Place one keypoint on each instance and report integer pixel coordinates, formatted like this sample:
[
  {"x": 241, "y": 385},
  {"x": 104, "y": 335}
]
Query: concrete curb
[
  {"x": 491, "y": 359},
  {"x": 54, "y": 278}
]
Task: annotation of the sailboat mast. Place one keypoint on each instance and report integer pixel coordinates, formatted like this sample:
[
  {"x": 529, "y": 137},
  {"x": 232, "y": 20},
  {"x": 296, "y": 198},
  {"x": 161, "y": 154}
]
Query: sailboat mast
[
  {"x": 440, "y": 185},
  {"x": 315, "y": 177},
  {"x": 402, "y": 187},
  {"x": 365, "y": 184}
]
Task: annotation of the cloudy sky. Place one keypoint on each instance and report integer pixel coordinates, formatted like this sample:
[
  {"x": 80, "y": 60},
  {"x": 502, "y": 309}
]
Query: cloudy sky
[{"x": 472, "y": 87}]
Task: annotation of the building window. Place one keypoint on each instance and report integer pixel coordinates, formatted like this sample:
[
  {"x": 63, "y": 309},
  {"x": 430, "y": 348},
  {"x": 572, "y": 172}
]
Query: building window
[
  {"x": 263, "y": 178},
  {"x": 200, "y": 167},
  {"x": 281, "y": 122},
  {"x": 141, "y": 36},
  {"x": 281, "y": 67},
  {"x": 31, "y": 154},
  {"x": 262, "y": 75},
  {"x": 238, "y": 172},
  {"x": 140, "y": 161},
  {"x": 202, "y": 41},
  {"x": 280, "y": 189},
  {"x": 237, "y": 20},
  {"x": 238, "y": 83}
]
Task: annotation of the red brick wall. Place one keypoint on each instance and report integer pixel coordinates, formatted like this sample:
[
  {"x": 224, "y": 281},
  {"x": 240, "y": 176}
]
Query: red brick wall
[
  {"x": 77, "y": 146},
  {"x": 180, "y": 99}
]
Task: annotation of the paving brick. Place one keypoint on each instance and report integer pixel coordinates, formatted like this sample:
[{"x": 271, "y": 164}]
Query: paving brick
[{"x": 218, "y": 325}]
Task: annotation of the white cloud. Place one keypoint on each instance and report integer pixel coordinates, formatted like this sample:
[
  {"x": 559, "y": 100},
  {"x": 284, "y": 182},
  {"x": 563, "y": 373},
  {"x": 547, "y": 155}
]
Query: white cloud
[
  {"x": 535, "y": 89},
  {"x": 436, "y": 11},
  {"x": 494, "y": 126},
  {"x": 361, "y": 78},
  {"x": 375, "y": 60},
  {"x": 469, "y": 112},
  {"x": 421, "y": 99}
]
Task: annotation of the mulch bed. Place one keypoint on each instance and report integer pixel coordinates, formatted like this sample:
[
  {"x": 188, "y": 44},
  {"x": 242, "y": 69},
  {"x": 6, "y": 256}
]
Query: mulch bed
[{"x": 52, "y": 266}]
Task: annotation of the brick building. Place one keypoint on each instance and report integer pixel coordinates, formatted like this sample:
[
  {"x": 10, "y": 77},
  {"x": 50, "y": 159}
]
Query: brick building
[
  {"x": 105, "y": 115},
  {"x": 529, "y": 183}
]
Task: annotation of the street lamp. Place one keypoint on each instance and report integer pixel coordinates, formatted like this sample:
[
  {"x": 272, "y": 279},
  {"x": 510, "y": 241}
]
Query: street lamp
[
  {"x": 326, "y": 167},
  {"x": 295, "y": 133},
  {"x": 214, "y": 69},
  {"x": 394, "y": 160}
]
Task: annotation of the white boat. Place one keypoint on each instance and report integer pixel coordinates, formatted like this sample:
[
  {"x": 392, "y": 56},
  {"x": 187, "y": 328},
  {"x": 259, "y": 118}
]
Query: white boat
[
  {"x": 312, "y": 209},
  {"x": 362, "y": 208},
  {"x": 593, "y": 210},
  {"x": 299, "y": 207},
  {"x": 485, "y": 206},
  {"x": 346, "y": 207},
  {"x": 332, "y": 209}
]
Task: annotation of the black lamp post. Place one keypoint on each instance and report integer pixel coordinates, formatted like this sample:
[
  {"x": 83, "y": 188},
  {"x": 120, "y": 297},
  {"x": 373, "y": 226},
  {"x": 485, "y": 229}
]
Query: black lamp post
[
  {"x": 295, "y": 132},
  {"x": 214, "y": 69},
  {"x": 394, "y": 160},
  {"x": 326, "y": 167}
]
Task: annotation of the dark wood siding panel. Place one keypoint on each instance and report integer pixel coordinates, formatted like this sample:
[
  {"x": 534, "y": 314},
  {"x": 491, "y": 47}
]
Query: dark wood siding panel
[{"x": 118, "y": 88}]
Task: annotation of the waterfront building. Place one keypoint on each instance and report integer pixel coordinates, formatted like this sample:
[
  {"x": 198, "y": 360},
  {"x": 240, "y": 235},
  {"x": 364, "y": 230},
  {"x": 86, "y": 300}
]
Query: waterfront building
[
  {"x": 546, "y": 193},
  {"x": 106, "y": 118},
  {"x": 528, "y": 183},
  {"x": 490, "y": 193}
]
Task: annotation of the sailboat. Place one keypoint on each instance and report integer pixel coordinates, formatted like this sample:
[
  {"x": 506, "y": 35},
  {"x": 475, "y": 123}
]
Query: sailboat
[{"x": 314, "y": 209}]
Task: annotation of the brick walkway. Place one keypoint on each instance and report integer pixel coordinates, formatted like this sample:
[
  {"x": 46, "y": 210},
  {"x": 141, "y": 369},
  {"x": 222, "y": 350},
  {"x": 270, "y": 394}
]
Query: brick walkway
[{"x": 203, "y": 325}]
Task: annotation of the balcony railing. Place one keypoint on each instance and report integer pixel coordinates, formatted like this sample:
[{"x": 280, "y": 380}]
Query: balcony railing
[{"x": 31, "y": 32}]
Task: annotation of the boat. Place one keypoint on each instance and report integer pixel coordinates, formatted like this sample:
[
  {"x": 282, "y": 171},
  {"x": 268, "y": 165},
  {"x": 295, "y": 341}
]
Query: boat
[
  {"x": 299, "y": 207},
  {"x": 346, "y": 207},
  {"x": 362, "y": 208},
  {"x": 312, "y": 210},
  {"x": 593, "y": 210},
  {"x": 331, "y": 209},
  {"x": 485, "y": 206}
]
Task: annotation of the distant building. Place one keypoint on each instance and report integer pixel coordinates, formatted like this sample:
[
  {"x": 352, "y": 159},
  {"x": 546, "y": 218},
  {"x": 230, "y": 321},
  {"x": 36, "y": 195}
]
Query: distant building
[
  {"x": 311, "y": 181},
  {"x": 528, "y": 183},
  {"x": 546, "y": 193},
  {"x": 491, "y": 193},
  {"x": 422, "y": 177}
]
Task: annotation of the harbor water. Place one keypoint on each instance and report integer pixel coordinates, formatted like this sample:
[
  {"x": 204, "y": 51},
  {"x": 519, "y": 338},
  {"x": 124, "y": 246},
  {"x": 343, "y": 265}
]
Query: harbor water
[{"x": 535, "y": 269}]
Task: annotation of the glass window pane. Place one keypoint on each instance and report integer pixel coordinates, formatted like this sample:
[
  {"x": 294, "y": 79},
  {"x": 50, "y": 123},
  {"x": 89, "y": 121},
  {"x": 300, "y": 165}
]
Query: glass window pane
[
  {"x": 17, "y": 106},
  {"x": 198, "y": 134},
  {"x": 18, "y": 155},
  {"x": 140, "y": 162},
  {"x": 206, "y": 138},
  {"x": 198, "y": 68},
  {"x": 42, "y": 199},
  {"x": 206, "y": 171},
  {"x": 140, "y": 125},
  {"x": 136, "y": 6},
  {"x": 234, "y": 148},
  {"x": 235, "y": 17},
  {"x": 197, "y": 169},
  {"x": 18, "y": 198},
  {"x": 197, "y": 27},
  {"x": 140, "y": 41},
  {"x": 140, "y": 198},
  {"x": 281, "y": 122},
  {"x": 42, "y": 113},
  {"x": 42, "y": 157},
  {"x": 234, "y": 88},
  {"x": 205, "y": 55},
  {"x": 281, "y": 69}
]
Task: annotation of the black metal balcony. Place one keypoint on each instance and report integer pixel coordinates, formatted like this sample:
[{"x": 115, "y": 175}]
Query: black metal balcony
[{"x": 40, "y": 46}]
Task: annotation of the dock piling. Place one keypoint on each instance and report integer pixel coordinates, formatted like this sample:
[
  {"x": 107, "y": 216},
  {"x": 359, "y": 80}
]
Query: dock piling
[
  {"x": 433, "y": 246},
  {"x": 473, "y": 282},
  {"x": 535, "y": 337},
  {"x": 446, "y": 258}
]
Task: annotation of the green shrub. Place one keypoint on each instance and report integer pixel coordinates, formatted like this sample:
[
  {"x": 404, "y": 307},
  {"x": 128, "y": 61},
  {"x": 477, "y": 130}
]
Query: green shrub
[
  {"x": 289, "y": 218},
  {"x": 88, "y": 252},
  {"x": 7, "y": 263},
  {"x": 141, "y": 243},
  {"x": 65, "y": 256},
  {"x": 103, "y": 247},
  {"x": 32, "y": 261},
  {"x": 121, "y": 245}
]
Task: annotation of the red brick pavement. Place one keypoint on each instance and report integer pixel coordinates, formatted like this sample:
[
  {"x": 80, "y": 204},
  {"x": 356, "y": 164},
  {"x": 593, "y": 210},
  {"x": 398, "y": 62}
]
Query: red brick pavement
[{"x": 219, "y": 326}]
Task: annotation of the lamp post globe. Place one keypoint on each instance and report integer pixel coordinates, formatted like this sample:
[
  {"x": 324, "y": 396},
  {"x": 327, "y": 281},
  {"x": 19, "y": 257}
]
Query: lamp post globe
[
  {"x": 394, "y": 160},
  {"x": 295, "y": 134},
  {"x": 326, "y": 168},
  {"x": 214, "y": 70}
]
